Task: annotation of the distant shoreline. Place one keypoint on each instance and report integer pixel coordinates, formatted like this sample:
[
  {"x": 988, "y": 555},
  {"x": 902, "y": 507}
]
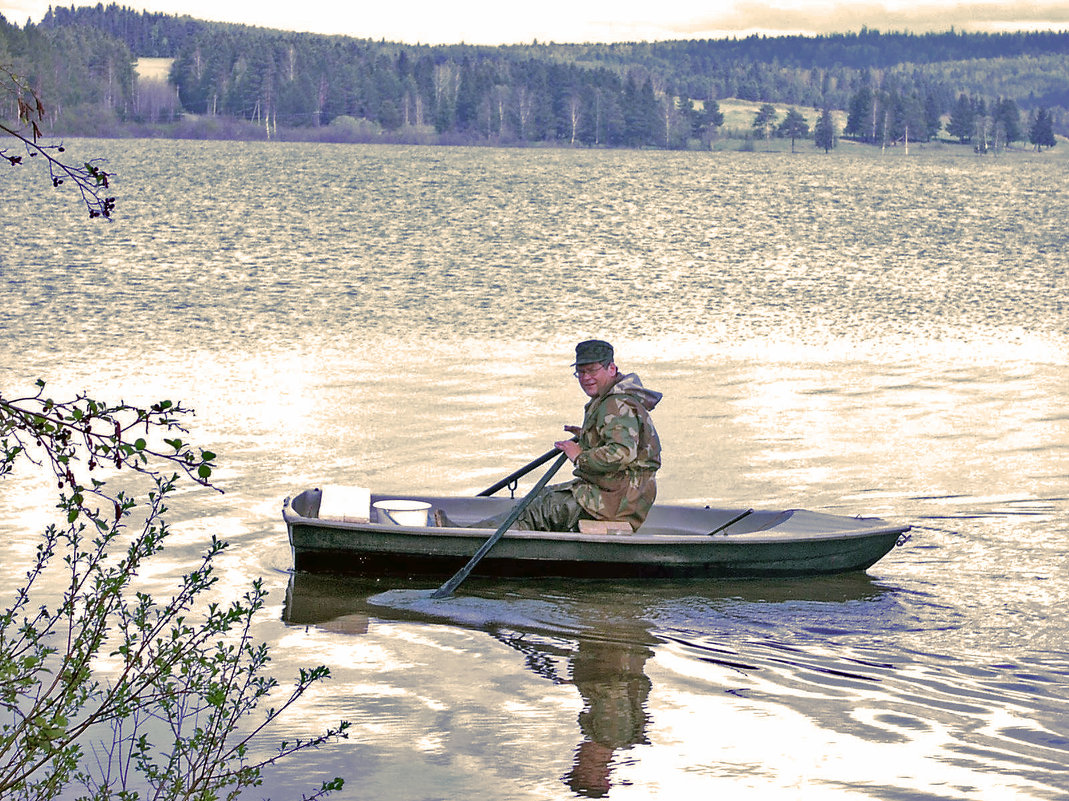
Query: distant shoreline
[{"x": 231, "y": 130}]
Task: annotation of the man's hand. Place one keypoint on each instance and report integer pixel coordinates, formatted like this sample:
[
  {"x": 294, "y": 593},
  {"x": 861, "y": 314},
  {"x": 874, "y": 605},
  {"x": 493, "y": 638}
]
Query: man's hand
[{"x": 570, "y": 448}]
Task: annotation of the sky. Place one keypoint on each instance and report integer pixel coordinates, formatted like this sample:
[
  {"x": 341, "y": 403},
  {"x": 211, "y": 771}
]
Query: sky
[{"x": 500, "y": 22}]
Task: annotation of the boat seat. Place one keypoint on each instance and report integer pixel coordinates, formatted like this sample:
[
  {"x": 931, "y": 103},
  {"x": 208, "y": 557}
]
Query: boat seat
[{"x": 604, "y": 527}]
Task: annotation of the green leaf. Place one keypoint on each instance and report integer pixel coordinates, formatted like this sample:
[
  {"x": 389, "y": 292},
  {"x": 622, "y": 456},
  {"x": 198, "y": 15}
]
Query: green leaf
[
  {"x": 204, "y": 471},
  {"x": 140, "y": 444},
  {"x": 216, "y": 696}
]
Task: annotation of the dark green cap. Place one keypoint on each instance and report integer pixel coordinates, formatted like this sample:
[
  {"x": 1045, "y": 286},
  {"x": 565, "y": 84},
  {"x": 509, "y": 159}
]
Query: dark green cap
[{"x": 592, "y": 350}]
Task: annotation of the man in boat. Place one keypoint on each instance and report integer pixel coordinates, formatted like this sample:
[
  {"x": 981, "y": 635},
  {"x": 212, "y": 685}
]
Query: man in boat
[{"x": 616, "y": 452}]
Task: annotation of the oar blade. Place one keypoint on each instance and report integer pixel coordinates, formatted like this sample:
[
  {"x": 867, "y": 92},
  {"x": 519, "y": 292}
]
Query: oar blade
[{"x": 450, "y": 586}]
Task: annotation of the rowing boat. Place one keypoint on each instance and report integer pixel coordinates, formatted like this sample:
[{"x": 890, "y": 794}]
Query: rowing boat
[{"x": 676, "y": 541}]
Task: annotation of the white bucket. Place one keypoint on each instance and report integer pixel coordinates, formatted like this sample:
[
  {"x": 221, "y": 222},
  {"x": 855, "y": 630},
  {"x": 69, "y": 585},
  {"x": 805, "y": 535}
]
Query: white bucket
[{"x": 403, "y": 513}]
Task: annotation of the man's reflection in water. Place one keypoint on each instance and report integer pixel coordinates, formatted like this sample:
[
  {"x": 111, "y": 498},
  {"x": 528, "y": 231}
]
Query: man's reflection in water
[
  {"x": 610, "y": 678},
  {"x": 608, "y": 674}
]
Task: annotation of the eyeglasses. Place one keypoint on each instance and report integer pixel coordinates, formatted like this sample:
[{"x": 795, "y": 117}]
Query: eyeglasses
[{"x": 588, "y": 370}]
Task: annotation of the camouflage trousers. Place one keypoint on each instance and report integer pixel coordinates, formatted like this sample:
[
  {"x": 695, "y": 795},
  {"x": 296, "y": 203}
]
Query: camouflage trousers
[{"x": 553, "y": 509}]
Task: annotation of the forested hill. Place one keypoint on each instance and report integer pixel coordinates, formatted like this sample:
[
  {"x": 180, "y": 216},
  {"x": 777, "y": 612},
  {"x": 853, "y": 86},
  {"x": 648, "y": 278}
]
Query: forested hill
[
  {"x": 163, "y": 35},
  {"x": 629, "y": 94}
]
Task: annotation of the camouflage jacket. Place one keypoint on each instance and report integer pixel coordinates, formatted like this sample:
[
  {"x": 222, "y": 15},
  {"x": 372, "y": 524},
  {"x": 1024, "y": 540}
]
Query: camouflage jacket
[{"x": 614, "y": 472}]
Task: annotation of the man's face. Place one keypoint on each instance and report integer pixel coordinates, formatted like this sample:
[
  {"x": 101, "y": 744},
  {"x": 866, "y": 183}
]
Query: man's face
[{"x": 595, "y": 378}]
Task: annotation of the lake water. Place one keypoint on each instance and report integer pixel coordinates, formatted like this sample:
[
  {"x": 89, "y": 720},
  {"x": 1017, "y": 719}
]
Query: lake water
[{"x": 855, "y": 334}]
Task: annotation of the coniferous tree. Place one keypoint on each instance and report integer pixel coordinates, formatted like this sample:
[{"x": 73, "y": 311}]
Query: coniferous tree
[
  {"x": 712, "y": 117},
  {"x": 650, "y": 113},
  {"x": 859, "y": 114},
  {"x": 962, "y": 119},
  {"x": 794, "y": 126},
  {"x": 641, "y": 113},
  {"x": 911, "y": 124},
  {"x": 824, "y": 131},
  {"x": 933, "y": 115},
  {"x": 690, "y": 116},
  {"x": 1041, "y": 131},
  {"x": 705, "y": 120},
  {"x": 764, "y": 121}
]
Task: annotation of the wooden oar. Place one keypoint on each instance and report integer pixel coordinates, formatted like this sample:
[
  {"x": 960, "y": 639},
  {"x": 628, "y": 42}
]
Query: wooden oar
[
  {"x": 527, "y": 468},
  {"x": 447, "y": 589}
]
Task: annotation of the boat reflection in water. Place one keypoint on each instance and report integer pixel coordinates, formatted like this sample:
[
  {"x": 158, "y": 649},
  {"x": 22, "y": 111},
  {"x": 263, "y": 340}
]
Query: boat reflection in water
[{"x": 596, "y": 636}]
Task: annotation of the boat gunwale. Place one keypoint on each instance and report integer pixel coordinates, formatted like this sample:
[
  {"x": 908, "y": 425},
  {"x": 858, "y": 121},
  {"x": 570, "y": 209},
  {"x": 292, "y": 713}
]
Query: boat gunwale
[{"x": 696, "y": 538}]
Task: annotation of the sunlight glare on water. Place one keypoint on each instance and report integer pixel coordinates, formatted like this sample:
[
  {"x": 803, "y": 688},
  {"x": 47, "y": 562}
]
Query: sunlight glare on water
[{"x": 855, "y": 334}]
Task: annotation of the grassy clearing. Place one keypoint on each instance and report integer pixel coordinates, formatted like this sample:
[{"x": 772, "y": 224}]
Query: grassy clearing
[
  {"x": 938, "y": 149},
  {"x": 153, "y": 68},
  {"x": 736, "y": 134}
]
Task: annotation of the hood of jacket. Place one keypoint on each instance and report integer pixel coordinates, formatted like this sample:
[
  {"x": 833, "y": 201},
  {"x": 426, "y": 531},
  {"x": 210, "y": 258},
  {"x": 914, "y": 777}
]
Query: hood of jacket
[{"x": 631, "y": 385}]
